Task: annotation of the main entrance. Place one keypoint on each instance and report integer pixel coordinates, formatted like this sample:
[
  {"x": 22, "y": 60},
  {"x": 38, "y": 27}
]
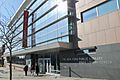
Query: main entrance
[
  {"x": 44, "y": 65},
  {"x": 49, "y": 64}
]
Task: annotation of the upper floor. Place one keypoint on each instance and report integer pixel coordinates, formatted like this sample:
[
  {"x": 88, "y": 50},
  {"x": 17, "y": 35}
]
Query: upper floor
[{"x": 99, "y": 22}]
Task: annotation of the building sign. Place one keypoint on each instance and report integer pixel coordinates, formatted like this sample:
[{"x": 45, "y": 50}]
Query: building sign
[
  {"x": 84, "y": 58},
  {"x": 25, "y": 29}
]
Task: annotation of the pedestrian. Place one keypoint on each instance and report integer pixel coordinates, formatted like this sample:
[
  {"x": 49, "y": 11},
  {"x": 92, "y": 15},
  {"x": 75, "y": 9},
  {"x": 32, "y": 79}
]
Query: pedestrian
[
  {"x": 26, "y": 69},
  {"x": 37, "y": 69},
  {"x": 32, "y": 70}
]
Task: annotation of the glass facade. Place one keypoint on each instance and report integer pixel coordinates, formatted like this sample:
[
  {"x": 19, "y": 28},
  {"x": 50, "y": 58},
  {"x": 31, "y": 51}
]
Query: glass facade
[
  {"x": 119, "y": 3},
  {"x": 100, "y": 10},
  {"x": 50, "y": 23}
]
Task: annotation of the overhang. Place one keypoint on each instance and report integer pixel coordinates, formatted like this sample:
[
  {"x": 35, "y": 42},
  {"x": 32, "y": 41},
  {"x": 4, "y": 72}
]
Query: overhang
[
  {"x": 53, "y": 47},
  {"x": 22, "y": 7}
]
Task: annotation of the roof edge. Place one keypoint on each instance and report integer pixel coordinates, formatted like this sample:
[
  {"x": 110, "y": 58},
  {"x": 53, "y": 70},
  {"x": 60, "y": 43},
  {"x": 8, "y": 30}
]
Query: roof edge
[{"x": 21, "y": 8}]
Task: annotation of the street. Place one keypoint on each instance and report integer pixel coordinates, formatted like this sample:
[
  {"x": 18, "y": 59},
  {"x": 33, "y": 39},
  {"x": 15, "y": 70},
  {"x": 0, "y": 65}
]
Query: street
[{"x": 19, "y": 75}]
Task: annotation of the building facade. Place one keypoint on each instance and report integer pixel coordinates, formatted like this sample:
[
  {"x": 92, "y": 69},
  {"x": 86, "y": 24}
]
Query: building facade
[
  {"x": 71, "y": 37},
  {"x": 98, "y": 28},
  {"x": 46, "y": 29}
]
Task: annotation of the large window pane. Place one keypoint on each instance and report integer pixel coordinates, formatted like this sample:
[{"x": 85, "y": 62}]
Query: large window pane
[
  {"x": 107, "y": 7},
  {"x": 119, "y": 3},
  {"x": 63, "y": 39},
  {"x": 90, "y": 14}
]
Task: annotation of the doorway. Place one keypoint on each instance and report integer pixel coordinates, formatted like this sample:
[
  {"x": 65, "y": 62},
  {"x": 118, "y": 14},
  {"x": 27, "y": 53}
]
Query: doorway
[{"x": 44, "y": 65}]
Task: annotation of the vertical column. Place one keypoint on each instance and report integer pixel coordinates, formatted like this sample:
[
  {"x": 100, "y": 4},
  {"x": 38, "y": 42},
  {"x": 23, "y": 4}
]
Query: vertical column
[
  {"x": 33, "y": 39},
  {"x": 47, "y": 66},
  {"x": 72, "y": 23},
  {"x": 33, "y": 42}
]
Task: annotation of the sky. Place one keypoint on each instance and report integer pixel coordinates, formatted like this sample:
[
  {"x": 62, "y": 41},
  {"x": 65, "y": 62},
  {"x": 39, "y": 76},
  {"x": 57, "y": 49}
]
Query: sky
[{"x": 7, "y": 9}]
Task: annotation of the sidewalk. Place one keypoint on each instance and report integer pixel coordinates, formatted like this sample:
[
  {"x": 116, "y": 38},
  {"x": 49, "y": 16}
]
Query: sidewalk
[{"x": 19, "y": 75}]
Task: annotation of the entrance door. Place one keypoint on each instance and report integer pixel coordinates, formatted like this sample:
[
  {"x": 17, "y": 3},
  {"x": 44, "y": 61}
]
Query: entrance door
[
  {"x": 47, "y": 65},
  {"x": 44, "y": 65},
  {"x": 40, "y": 64}
]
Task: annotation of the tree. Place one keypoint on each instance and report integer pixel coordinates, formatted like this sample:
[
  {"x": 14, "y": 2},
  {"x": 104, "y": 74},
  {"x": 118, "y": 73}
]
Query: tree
[
  {"x": 2, "y": 50},
  {"x": 10, "y": 39}
]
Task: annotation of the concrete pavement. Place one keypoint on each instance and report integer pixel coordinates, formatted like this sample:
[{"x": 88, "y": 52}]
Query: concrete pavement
[{"x": 19, "y": 75}]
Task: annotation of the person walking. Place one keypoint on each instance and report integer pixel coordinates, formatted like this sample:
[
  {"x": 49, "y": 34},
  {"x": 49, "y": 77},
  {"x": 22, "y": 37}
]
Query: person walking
[
  {"x": 32, "y": 70},
  {"x": 26, "y": 69},
  {"x": 37, "y": 69}
]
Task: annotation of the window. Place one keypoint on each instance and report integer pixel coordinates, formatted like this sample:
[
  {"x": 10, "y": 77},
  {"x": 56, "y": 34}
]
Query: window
[
  {"x": 90, "y": 14},
  {"x": 99, "y": 10},
  {"x": 119, "y": 3},
  {"x": 107, "y": 7},
  {"x": 89, "y": 51}
]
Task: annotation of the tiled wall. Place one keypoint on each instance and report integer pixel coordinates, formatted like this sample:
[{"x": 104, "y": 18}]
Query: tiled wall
[{"x": 99, "y": 31}]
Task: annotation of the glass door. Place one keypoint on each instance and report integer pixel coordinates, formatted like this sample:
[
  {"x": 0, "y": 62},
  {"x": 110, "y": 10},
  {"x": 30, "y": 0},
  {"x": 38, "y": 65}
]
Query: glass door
[
  {"x": 47, "y": 65},
  {"x": 44, "y": 65},
  {"x": 41, "y": 65}
]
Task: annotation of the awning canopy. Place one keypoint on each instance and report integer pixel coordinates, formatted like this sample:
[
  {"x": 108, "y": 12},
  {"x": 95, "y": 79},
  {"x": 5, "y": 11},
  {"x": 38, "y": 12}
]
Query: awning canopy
[{"x": 53, "y": 47}]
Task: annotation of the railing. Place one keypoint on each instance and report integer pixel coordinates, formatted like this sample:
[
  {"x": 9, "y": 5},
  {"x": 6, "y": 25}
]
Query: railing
[{"x": 71, "y": 71}]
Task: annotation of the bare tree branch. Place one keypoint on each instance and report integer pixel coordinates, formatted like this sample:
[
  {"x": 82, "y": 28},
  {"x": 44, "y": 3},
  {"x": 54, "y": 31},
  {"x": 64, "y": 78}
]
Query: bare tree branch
[{"x": 10, "y": 39}]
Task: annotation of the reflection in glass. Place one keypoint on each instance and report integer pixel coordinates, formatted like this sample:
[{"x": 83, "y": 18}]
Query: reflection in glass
[
  {"x": 107, "y": 7},
  {"x": 89, "y": 14}
]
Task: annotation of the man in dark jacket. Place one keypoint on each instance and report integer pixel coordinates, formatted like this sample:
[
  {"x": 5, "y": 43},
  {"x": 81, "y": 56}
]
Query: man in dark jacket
[
  {"x": 37, "y": 69},
  {"x": 26, "y": 69}
]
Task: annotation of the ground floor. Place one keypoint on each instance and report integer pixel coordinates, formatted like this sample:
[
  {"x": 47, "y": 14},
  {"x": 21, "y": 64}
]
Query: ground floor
[
  {"x": 48, "y": 63},
  {"x": 93, "y": 62}
]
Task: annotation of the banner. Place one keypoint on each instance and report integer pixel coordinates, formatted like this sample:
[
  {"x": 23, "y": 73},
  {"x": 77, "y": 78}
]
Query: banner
[{"x": 25, "y": 29}]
